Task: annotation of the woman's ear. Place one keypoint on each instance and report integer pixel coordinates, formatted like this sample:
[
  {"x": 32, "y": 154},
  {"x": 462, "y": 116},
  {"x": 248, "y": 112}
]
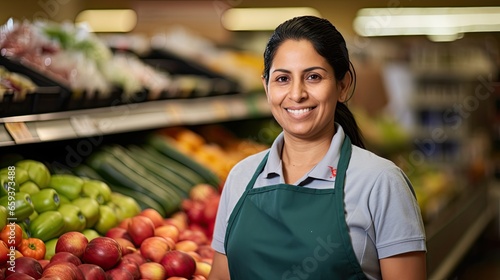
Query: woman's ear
[
  {"x": 344, "y": 85},
  {"x": 264, "y": 84}
]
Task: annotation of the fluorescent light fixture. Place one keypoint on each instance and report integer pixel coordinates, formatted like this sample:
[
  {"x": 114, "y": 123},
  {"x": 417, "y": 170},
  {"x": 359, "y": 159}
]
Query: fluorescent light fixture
[
  {"x": 434, "y": 22},
  {"x": 123, "y": 20},
  {"x": 253, "y": 19}
]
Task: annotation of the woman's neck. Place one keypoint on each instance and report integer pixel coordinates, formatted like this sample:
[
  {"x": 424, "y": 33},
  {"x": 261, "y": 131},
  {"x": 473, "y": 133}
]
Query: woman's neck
[{"x": 299, "y": 156}]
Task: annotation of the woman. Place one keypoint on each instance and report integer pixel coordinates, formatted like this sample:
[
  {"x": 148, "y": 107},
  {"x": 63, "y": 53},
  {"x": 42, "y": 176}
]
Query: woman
[{"x": 315, "y": 206}]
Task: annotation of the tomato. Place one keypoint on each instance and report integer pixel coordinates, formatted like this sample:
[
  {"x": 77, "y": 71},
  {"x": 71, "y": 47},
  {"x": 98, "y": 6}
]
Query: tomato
[
  {"x": 33, "y": 247},
  {"x": 12, "y": 234}
]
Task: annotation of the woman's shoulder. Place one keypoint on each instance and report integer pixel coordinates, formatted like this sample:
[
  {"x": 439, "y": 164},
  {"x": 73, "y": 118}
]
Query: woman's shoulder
[{"x": 367, "y": 160}]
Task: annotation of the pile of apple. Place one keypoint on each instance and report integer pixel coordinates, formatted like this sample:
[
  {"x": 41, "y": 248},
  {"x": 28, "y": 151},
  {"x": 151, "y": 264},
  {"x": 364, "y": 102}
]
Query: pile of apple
[
  {"x": 201, "y": 208},
  {"x": 146, "y": 246}
]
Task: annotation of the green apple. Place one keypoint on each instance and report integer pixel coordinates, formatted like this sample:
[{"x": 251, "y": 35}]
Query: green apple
[
  {"x": 89, "y": 208},
  {"x": 29, "y": 187},
  {"x": 45, "y": 200},
  {"x": 74, "y": 220},
  {"x": 66, "y": 184},
  {"x": 90, "y": 233},
  {"x": 128, "y": 206},
  {"x": 107, "y": 219},
  {"x": 50, "y": 248},
  {"x": 3, "y": 216},
  {"x": 37, "y": 171},
  {"x": 97, "y": 189}
]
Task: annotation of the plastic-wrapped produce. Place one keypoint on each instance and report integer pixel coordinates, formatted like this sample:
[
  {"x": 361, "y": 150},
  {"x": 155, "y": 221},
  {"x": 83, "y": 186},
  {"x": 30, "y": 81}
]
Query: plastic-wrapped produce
[{"x": 16, "y": 83}]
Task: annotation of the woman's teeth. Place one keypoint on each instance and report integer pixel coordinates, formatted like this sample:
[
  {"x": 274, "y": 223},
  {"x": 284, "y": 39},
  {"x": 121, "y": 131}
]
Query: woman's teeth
[{"x": 299, "y": 111}]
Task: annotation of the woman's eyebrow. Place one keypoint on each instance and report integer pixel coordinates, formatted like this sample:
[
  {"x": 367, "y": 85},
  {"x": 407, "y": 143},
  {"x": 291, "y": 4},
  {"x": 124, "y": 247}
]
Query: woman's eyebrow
[{"x": 305, "y": 70}]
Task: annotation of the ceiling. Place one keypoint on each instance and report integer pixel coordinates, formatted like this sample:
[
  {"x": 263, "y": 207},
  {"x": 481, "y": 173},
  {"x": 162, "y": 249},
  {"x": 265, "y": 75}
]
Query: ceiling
[{"x": 204, "y": 15}]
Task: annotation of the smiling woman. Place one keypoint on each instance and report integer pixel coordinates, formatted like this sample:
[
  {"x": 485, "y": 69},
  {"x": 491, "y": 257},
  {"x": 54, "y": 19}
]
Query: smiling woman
[{"x": 316, "y": 205}]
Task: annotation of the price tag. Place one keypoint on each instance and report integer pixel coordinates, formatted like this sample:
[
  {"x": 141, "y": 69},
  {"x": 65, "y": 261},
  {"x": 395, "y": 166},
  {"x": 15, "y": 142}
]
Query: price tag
[
  {"x": 20, "y": 132},
  {"x": 84, "y": 125}
]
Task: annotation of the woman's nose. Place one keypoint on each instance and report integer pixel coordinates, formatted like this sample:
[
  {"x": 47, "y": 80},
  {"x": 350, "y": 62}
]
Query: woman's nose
[{"x": 298, "y": 91}]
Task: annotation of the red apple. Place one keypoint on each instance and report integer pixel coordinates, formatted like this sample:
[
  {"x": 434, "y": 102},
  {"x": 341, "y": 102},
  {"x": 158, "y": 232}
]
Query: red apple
[
  {"x": 4, "y": 253},
  {"x": 136, "y": 257},
  {"x": 195, "y": 255},
  {"x": 63, "y": 270},
  {"x": 167, "y": 230},
  {"x": 178, "y": 219},
  {"x": 126, "y": 245},
  {"x": 64, "y": 257},
  {"x": 124, "y": 223},
  {"x": 44, "y": 263},
  {"x": 211, "y": 207},
  {"x": 186, "y": 246},
  {"x": 178, "y": 263},
  {"x": 140, "y": 228},
  {"x": 194, "y": 210},
  {"x": 153, "y": 215},
  {"x": 103, "y": 251},
  {"x": 154, "y": 248},
  {"x": 92, "y": 271},
  {"x": 118, "y": 232},
  {"x": 20, "y": 276},
  {"x": 28, "y": 266},
  {"x": 203, "y": 269},
  {"x": 73, "y": 242},
  {"x": 152, "y": 271},
  {"x": 196, "y": 235},
  {"x": 119, "y": 273},
  {"x": 131, "y": 266},
  {"x": 206, "y": 251}
]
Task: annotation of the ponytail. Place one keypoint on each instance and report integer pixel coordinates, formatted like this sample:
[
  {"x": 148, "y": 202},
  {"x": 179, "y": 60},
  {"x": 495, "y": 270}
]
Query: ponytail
[{"x": 345, "y": 118}]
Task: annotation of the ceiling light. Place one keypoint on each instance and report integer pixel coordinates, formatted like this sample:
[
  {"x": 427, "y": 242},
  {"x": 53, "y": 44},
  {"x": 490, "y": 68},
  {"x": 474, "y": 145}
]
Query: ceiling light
[
  {"x": 108, "y": 20},
  {"x": 435, "y": 22},
  {"x": 252, "y": 19}
]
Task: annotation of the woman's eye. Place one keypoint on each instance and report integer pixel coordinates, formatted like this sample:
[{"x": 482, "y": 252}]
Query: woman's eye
[
  {"x": 313, "y": 77},
  {"x": 282, "y": 79}
]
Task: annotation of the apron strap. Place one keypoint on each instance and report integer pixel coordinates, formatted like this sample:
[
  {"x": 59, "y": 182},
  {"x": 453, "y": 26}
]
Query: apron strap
[
  {"x": 259, "y": 169},
  {"x": 345, "y": 157}
]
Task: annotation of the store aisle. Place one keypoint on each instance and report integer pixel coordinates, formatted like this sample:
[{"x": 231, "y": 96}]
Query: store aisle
[{"x": 483, "y": 260}]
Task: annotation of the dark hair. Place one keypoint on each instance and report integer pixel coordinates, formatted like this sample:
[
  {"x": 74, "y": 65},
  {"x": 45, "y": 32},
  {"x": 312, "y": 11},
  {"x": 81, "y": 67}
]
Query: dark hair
[{"x": 330, "y": 44}]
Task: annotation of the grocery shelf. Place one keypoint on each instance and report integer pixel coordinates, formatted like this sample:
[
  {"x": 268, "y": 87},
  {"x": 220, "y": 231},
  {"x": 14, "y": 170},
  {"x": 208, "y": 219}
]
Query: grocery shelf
[
  {"x": 450, "y": 236},
  {"x": 130, "y": 117}
]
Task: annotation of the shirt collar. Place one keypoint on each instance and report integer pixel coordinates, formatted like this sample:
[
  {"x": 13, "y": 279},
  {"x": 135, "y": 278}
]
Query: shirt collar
[{"x": 324, "y": 170}]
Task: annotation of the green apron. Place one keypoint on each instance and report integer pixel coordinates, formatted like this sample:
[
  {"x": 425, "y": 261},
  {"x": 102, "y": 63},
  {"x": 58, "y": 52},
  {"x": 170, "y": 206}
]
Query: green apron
[{"x": 292, "y": 233}]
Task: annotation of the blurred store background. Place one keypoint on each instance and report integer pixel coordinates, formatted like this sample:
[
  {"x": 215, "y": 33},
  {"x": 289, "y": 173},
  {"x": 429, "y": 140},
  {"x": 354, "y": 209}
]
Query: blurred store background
[{"x": 427, "y": 94}]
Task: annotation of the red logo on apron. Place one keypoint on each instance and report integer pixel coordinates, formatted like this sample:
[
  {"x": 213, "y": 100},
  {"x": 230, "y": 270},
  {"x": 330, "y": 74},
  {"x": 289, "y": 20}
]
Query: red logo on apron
[{"x": 334, "y": 171}]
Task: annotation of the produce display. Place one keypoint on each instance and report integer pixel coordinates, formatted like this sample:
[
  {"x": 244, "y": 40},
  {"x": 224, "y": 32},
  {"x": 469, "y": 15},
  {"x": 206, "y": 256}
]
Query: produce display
[
  {"x": 89, "y": 73},
  {"x": 132, "y": 211}
]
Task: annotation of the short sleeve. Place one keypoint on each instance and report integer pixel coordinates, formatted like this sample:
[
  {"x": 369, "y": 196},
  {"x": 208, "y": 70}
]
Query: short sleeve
[
  {"x": 221, "y": 220},
  {"x": 397, "y": 219}
]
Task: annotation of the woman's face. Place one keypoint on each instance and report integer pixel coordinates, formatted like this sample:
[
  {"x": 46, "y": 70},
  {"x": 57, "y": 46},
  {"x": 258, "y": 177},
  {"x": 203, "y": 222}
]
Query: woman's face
[{"x": 302, "y": 90}]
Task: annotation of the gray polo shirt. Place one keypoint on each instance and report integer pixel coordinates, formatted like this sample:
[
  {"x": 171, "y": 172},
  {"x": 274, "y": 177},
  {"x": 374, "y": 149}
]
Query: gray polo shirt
[{"x": 381, "y": 211}]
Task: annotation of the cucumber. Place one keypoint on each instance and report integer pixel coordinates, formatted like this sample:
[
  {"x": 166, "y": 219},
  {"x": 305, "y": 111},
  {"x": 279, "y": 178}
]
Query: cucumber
[
  {"x": 116, "y": 173},
  {"x": 168, "y": 163},
  {"x": 163, "y": 144},
  {"x": 166, "y": 175},
  {"x": 86, "y": 171},
  {"x": 141, "y": 166}
]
